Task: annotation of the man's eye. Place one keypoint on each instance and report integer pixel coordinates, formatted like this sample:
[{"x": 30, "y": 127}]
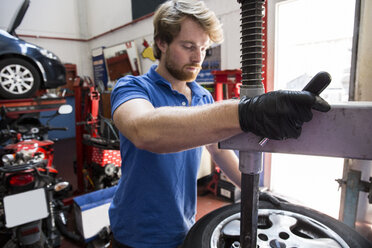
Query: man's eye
[{"x": 188, "y": 47}]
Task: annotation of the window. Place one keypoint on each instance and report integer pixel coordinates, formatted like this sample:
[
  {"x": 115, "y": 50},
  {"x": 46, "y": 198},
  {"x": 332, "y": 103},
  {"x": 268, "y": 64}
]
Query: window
[{"x": 312, "y": 36}]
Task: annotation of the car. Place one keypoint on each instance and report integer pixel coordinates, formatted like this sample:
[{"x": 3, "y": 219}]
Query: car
[{"x": 26, "y": 68}]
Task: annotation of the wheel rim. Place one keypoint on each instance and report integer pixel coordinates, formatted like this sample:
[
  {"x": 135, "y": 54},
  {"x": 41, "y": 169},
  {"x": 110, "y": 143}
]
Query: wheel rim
[
  {"x": 278, "y": 228},
  {"x": 16, "y": 79}
]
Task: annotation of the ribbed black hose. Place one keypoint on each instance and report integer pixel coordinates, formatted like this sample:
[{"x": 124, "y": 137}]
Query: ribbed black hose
[
  {"x": 66, "y": 233},
  {"x": 252, "y": 41}
]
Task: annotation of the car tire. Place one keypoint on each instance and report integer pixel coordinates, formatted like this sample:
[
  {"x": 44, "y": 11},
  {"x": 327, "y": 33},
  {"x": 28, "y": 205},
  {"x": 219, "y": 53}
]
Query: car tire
[
  {"x": 18, "y": 79},
  {"x": 329, "y": 229}
]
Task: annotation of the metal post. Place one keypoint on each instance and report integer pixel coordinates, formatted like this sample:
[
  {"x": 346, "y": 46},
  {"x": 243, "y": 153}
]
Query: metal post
[
  {"x": 79, "y": 135},
  {"x": 251, "y": 163},
  {"x": 354, "y": 185}
]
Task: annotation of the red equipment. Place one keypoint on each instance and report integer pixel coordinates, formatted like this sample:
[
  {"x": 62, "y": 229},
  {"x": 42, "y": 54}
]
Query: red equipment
[
  {"x": 98, "y": 157},
  {"x": 16, "y": 107},
  {"x": 231, "y": 80}
]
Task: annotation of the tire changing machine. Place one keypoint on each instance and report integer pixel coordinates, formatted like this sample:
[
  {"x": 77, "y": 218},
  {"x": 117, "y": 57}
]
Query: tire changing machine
[{"x": 342, "y": 132}]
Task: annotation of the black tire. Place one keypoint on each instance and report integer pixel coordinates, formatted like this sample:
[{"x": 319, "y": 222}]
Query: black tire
[
  {"x": 312, "y": 228},
  {"x": 18, "y": 79}
]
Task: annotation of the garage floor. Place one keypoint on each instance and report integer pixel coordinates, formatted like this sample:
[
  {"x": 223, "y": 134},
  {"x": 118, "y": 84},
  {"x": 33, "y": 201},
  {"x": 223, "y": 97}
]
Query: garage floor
[{"x": 65, "y": 156}]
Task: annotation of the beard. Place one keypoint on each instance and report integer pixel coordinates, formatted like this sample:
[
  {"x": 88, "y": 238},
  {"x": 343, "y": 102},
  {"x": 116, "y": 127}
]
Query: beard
[{"x": 181, "y": 73}]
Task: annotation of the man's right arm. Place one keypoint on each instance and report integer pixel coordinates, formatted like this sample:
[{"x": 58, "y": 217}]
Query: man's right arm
[
  {"x": 173, "y": 129},
  {"x": 275, "y": 115}
]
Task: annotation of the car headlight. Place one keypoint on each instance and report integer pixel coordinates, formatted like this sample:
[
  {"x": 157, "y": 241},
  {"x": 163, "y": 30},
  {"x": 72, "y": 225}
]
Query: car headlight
[{"x": 48, "y": 54}]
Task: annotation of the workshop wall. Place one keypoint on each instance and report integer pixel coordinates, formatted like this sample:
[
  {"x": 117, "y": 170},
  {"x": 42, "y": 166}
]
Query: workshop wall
[
  {"x": 227, "y": 11},
  {"x": 80, "y": 26},
  {"x": 48, "y": 18},
  {"x": 103, "y": 16},
  {"x": 58, "y": 26},
  {"x": 72, "y": 28}
]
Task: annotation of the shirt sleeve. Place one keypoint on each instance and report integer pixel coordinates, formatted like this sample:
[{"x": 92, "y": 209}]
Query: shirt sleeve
[{"x": 127, "y": 88}]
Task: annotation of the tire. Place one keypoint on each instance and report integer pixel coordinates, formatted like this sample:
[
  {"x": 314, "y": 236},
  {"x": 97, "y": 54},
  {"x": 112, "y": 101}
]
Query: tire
[
  {"x": 279, "y": 225},
  {"x": 18, "y": 79}
]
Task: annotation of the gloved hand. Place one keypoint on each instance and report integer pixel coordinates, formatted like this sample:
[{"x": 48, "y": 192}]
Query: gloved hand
[{"x": 279, "y": 114}]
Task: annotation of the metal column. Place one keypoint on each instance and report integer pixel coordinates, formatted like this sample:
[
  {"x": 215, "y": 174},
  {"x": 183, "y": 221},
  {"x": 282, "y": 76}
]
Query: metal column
[{"x": 250, "y": 162}]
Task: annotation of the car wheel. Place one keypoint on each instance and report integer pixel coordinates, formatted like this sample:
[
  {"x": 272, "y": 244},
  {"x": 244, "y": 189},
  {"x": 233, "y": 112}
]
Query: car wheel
[
  {"x": 279, "y": 225},
  {"x": 18, "y": 79}
]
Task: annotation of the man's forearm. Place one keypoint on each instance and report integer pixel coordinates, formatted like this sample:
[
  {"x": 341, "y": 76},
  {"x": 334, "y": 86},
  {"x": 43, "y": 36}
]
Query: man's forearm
[{"x": 172, "y": 129}]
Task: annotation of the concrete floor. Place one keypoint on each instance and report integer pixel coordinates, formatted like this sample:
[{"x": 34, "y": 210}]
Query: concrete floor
[{"x": 65, "y": 155}]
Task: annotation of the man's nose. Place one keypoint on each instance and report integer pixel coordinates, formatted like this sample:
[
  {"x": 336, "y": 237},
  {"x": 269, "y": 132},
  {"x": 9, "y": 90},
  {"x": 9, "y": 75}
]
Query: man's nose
[{"x": 197, "y": 56}]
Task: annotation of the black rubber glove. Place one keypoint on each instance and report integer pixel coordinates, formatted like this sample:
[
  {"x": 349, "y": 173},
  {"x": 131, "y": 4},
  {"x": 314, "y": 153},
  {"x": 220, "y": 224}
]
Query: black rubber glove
[{"x": 279, "y": 114}]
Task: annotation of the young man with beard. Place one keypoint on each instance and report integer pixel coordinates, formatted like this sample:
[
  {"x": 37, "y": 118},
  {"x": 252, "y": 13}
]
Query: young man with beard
[{"x": 164, "y": 117}]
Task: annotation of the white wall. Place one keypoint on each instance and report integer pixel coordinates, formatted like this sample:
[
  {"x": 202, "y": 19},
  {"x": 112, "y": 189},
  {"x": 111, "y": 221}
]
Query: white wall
[
  {"x": 229, "y": 14},
  {"x": 53, "y": 18},
  {"x": 83, "y": 19},
  {"x": 136, "y": 31},
  {"x": 48, "y": 18},
  {"x": 103, "y": 16}
]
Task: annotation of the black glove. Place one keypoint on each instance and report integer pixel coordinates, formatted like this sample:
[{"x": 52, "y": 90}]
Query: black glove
[{"x": 279, "y": 114}]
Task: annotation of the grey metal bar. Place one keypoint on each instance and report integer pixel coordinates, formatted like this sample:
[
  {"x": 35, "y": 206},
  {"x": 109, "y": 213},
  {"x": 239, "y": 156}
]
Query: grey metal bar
[
  {"x": 250, "y": 164},
  {"x": 345, "y": 131},
  {"x": 351, "y": 198},
  {"x": 249, "y": 210}
]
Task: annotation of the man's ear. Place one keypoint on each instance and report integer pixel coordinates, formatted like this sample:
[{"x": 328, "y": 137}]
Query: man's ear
[{"x": 162, "y": 45}]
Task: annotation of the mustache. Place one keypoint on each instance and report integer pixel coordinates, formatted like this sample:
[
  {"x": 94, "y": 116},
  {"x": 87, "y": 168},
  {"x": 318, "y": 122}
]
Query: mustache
[{"x": 193, "y": 65}]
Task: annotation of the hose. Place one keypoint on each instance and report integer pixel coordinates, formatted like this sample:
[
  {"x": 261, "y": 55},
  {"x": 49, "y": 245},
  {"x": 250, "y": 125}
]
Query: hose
[{"x": 66, "y": 233}]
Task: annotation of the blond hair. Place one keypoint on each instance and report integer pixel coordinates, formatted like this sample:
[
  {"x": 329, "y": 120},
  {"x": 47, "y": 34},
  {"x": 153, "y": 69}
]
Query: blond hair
[{"x": 169, "y": 16}]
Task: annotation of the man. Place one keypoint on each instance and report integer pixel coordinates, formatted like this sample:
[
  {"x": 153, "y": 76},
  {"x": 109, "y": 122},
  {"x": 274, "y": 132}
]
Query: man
[{"x": 164, "y": 117}]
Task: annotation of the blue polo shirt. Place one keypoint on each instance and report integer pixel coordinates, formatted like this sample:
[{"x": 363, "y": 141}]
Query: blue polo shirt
[{"x": 155, "y": 202}]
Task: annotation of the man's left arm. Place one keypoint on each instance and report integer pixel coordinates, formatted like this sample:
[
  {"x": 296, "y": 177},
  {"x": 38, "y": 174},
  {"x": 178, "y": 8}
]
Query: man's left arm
[{"x": 227, "y": 161}]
